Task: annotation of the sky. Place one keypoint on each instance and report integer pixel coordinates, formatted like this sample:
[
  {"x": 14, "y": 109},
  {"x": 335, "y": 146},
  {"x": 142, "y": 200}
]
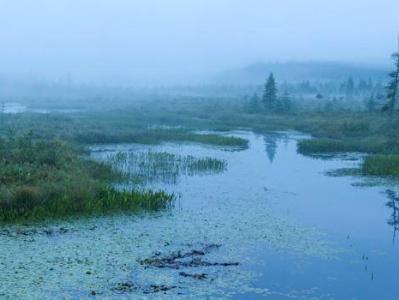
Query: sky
[{"x": 173, "y": 40}]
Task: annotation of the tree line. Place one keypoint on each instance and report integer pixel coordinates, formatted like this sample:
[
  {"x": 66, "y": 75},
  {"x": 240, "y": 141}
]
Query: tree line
[{"x": 271, "y": 101}]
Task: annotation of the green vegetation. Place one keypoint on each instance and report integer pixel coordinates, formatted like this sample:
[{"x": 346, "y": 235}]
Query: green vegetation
[
  {"x": 381, "y": 165},
  {"x": 154, "y": 136},
  {"x": 393, "y": 85},
  {"x": 46, "y": 173},
  {"x": 338, "y": 130},
  {"x": 142, "y": 167},
  {"x": 270, "y": 94},
  {"x": 46, "y": 179},
  {"x": 366, "y": 145},
  {"x": 271, "y": 101}
]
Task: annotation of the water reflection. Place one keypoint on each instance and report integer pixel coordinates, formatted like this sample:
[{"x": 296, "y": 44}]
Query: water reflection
[
  {"x": 271, "y": 141},
  {"x": 18, "y": 108},
  {"x": 393, "y": 203},
  {"x": 14, "y": 108},
  {"x": 271, "y": 146}
]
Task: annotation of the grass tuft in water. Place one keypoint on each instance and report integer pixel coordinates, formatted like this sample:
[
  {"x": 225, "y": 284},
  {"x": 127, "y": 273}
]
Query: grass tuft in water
[{"x": 141, "y": 167}]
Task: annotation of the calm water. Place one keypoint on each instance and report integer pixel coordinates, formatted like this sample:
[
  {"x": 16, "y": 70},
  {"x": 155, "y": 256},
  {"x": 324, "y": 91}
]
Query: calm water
[
  {"x": 294, "y": 232},
  {"x": 18, "y": 108}
]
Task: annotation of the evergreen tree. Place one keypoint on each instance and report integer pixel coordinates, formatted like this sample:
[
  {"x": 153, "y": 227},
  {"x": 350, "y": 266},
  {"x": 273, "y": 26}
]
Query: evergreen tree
[
  {"x": 393, "y": 85},
  {"x": 270, "y": 94}
]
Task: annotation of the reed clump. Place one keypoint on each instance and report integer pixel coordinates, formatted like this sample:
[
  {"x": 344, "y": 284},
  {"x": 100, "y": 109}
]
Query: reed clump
[{"x": 381, "y": 165}]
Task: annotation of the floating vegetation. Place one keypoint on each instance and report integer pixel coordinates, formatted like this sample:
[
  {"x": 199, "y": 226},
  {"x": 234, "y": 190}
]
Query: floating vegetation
[
  {"x": 169, "y": 253},
  {"x": 175, "y": 260},
  {"x": 141, "y": 167},
  {"x": 130, "y": 287},
  {"x": 344, "y": 172},
  {"x": 118, "y": 256},
  {"x": 199, "y": 276},
  {"x": 190, "y": 259}
]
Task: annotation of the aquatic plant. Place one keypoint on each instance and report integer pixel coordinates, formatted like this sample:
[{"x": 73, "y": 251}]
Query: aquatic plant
[
  {"x": 161, "y": 166},
  {"x": 381, "y": 165},
  {"x": 320, "y": 146},
  {"x": 154, "y": 136}
]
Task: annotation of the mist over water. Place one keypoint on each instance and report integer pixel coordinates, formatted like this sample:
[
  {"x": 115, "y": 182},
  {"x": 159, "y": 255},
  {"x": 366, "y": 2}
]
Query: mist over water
[
  {"x": 179, "y": 149},
  {"x": 185, "y": 42}
]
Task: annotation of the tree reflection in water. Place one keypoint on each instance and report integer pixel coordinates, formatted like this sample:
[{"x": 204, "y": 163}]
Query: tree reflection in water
[
  {"x": 393, "y": 204},
  {"x": 271, "y": 146}
]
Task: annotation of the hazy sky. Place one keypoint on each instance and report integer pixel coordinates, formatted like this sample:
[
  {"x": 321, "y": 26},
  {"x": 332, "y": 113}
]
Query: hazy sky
[{"x": 129, "y": 39}]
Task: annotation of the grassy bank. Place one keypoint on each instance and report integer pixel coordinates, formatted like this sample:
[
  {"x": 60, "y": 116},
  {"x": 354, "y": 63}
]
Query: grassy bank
[
  {"x": 119, "y": 127},
  {"x": 154, "y": 136},
  {"x": 367, "y": 145},
  {"x": 373, "y": 134},
  {"x": 47, "y": 179}
]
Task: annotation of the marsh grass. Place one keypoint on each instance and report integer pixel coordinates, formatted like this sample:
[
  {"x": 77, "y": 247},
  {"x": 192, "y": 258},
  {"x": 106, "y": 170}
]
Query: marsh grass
[
  {"x": 381, "y": 165},
  {"x": 366, "y": 145},
  {"x": 155, "y": 136},
  {"x": 105, "y": 200},
  {"x": 153, "y": 121},
  {"x": 48, "y": 179},
  {"x": 142, "y": 167}
]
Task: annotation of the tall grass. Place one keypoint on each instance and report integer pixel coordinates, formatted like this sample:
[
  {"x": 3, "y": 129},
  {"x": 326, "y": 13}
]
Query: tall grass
[
  {"x": 154, "y": 136},
  {"x": 42, "y": 179},
  {"x": 28, "y": 206},
  {"x": 143, "y": 167},
  {"x": 363, "y": 145},
  {"x": 381, "y": 165}
]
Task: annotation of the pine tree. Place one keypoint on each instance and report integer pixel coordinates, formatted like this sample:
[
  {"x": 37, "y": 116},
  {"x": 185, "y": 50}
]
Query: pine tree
[
  {"x": 270, "y": 94},
  {"x": 393, "y": 85}
]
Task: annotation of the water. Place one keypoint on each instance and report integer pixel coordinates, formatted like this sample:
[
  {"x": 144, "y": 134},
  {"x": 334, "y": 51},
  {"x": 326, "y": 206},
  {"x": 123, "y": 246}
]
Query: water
[
  {"x": 294, "y": 232},
  {"x": 14, "y": 108},
  {"x": 18, "y": 108}
]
